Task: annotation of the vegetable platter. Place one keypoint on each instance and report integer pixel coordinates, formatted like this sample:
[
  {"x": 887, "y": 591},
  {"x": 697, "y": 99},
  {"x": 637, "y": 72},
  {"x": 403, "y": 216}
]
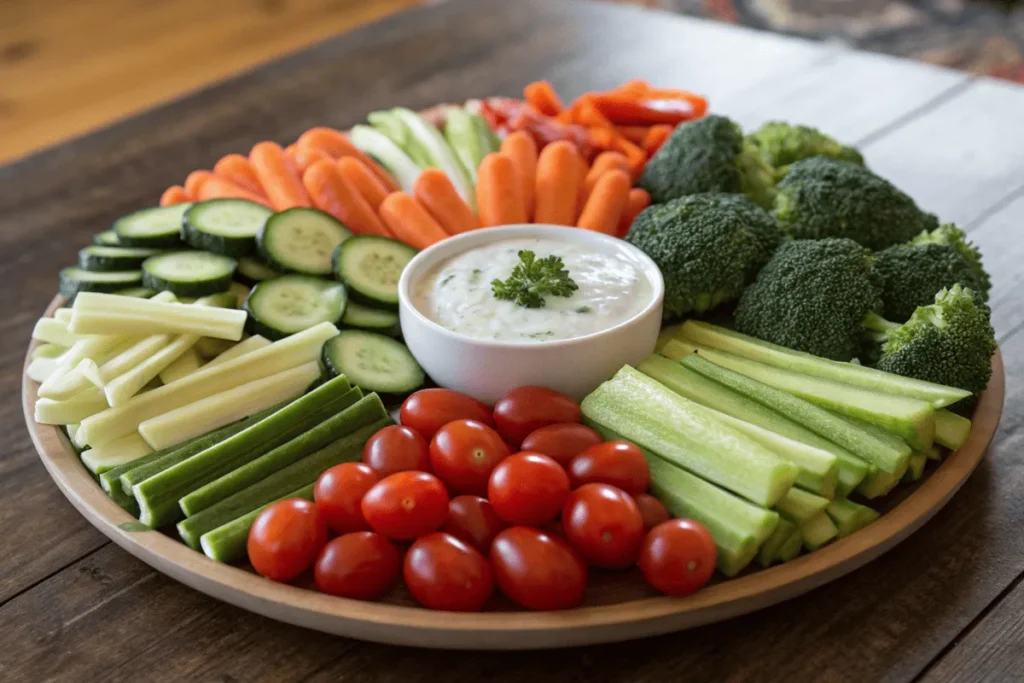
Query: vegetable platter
[{"x": 371, "y": 384}]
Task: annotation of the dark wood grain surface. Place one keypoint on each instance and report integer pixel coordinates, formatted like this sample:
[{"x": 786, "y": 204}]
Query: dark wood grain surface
[{"x": 943, "y": 606}]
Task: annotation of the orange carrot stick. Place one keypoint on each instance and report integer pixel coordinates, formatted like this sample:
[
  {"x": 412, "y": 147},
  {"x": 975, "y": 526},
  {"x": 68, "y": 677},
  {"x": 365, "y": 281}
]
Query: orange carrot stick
[
  {"x": 194, "y": 180},
  {"x": 237, "y": 169},
  {"x": 175, "y": 194},
  {"x": 279, "y": 176},
  {"x": 336, "y": 196},
  {"x": 655, "y": 138},
  {"x": 637, "y": 201},
  {"x": 605, "y": 204},
  {"x": 522, "y": 149},
  {"x": 304, "y": 157},
  {"x": 499, "y": 198},
  {"x": 216, "y": 187},
  {"x": 603, "y": 162},
  {"x": 362, "y": 178},
  {"x": 435, "y": 192},
  {"x": 410, "y": 221},
  {"x": 338, "y": 145},
  {"x": 542, "y": 97},
  {"x": 635, "y": 134},
  {"x": 560, "y": 171}
]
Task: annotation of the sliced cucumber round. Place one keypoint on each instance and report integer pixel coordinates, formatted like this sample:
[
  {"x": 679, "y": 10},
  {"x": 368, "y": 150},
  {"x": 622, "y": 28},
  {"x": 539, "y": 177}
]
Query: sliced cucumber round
[
  {"x": 107, "y": 238},
  {"x": 158, "y": 227},
  {"x": 374, "y": 319},
  {"x": 75, "y": 279},
  {"x": 292, "y": 303},
  {"x": 101, "y": 258},
  {"x": 224, "y": 226},
  {"x": 301, "y": 240},
  {"x": 189, "y": 273},
  {"x": 373, "y": 362},
  {"x": 252, "y": 270},
  {"x": 370, "y": 266}
]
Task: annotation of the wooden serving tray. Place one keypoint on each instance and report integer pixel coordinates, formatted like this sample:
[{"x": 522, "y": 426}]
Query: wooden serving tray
[{"x": 619, "y": 606}]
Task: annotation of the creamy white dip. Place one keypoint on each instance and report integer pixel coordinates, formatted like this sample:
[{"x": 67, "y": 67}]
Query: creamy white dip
[{"x": 457, "y": 293}]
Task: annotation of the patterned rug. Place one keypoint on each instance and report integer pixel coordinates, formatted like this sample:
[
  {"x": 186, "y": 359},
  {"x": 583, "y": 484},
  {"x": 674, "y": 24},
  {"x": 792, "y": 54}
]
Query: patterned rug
[{"x": 980, "y": 36}]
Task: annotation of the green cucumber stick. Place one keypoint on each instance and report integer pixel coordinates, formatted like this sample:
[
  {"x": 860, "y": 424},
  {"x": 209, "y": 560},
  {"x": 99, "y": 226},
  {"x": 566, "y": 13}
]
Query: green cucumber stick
[
  {"x": 769, "y": 550},
  {"x": 227, "y": 543}
]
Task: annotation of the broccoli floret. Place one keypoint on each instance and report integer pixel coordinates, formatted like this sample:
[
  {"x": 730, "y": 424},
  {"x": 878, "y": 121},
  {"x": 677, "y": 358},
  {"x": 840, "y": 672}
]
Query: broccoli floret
[
  {"x": 781, "y": 144},
  {"x": 950, "y": 342},
  {"x": 953, "y": 236},
  {"x": 708, "y": 155},
  {"x": 821, "y": 197},
  {"x": 812, "y": 296},
  {"x": 707, "y": 246}
]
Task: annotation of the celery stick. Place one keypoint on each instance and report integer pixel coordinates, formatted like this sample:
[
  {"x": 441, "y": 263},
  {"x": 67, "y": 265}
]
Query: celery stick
[
  {"x": 428, "y": 138},
  {"x": 224, "y": 408},
  {"x": 933, "y": 453},
  {"x": 679, "y": 430},
  {"x": 755, "y": 349},
  {"x": 880, "y": 483},
  {"x": 228, "y": 325},
  {"x": 48, "y": 351},
  {"x": 71, "y": 430},
  {"x": 818, "y": 531},
  {"x": 254, "y": 343},
  {"x": 77, "y": 408},
  {"x": 54, "y": 332},
  {"x": 300, "y": 473},
  {"x": 128, "y": 359},
  {"x": 117, "y": 452},
  {"x": 227, "y": 543},
  {"x": 40, "y": 369},
  {"x": 769, "y": 550},
  {"x": 285, "y": 354},
  {"x": 468, "y": 139},
  {"x": 666, "y": 335},
  {"x": 120, "y": 390},
  {"x": 800, "y": 507},
  {"x": 849, "y": 516},
  {"x": 915, "y": 468},
  {"x": 183, "y": 366},
  {"x": 951, "y": 430},
  {"x": 62, "y": 315},
  {"x": 387, "y": 153},
  {"x": 208, "y": 347},
  {"x": 791, "y": 547}
]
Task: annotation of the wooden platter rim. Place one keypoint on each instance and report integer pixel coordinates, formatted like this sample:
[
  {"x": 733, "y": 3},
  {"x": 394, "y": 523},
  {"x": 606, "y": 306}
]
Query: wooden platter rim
[{"x": 406, "y": 625}]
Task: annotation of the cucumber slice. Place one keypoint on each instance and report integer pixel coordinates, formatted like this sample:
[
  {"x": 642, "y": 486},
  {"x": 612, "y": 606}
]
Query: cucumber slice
[
  {"x": 374, "y": 319},
  {"x": 189, "y": 273},
  {"x": 292, "y": 303},
  {"x": 224, "y": 226},
  {"x": 75, "y": 279},
  {"x": 99, "y": 258},
  {"x": 301, "y": 240},
  {"x": 107, "y": 238},
  {"x": 373, "y": 362},
  {"x": 251, "y": 271},
  {"x": 370, "y": 266},
  {"x": 158, "y": 227},
  {"x": 137, "y": 292}
]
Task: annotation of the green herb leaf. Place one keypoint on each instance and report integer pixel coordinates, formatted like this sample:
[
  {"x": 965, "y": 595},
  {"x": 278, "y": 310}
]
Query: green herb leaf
[{"x": 532, "y": 279}]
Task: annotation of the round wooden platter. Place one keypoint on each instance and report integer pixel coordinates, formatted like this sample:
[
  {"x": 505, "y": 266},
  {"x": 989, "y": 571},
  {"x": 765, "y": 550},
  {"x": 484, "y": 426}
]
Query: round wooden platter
[{"x": 618, "y": 606}]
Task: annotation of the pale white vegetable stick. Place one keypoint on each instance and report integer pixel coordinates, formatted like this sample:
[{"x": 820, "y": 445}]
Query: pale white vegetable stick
[
  {"x": 111, "y": 303},
  {"x": 120, "y": 390},
  {"x": 227, "y": 324},
  {"x": 128, "y": 359},
  {"x": 75, "y": 409},
  {"x": 48, "y": 351},
  {"x": 66, "y": 383},
  {"x": 96, "y": 347},
  {"x": 54, "y": 332},
  {"x": 183, "y": 366},
  {"x": 40, "y": 369},
  {"x": 62, "y": 315},
  {"x": 118, "y": 452},
  {"x": 208, "y": 347},
  {"x": 254, "y": 343}
]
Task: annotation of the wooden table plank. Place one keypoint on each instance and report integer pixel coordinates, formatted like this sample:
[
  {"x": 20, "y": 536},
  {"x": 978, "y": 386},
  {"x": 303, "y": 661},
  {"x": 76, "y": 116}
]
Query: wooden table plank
[{"x": 999, "y": 238}]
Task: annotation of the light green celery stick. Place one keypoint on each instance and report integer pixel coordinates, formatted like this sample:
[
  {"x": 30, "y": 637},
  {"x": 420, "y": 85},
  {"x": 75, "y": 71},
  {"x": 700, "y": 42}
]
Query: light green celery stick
[
  {"x": 54, "y": 332},
  {"x": 951, "y": 430},
  {"x": 800, "y": 507},
  {"x": 387, "y": 153},
  {"x": 818, "y": 531},
  {"x": 791, "y": 547},
  {"x": 849, "y": 516},
  {"x": 40, "y": 369},
  {"x": 48, "y": 351},
  {"x": 185, "y": 364},
  {"x": 441, "y": 156},
  {"x": 120, "y": 390},
  {"x": 77, "y": 408},
  {"x": 254, "y": 343},
  {"x": 769, "y": 550},
  {"x": 915, "y": 469}
]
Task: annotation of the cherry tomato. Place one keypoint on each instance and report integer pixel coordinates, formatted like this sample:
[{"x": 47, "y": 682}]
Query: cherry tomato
[
  {"x": 464, "y": 452},
  {"x": 397, "y": 449},
  {"x": 536, "y": 570},
  {"x": 618, "y": 463},
  {"x": 472, "y": 519},
  {"x": 527, "y": 409},
  {"x": 406, "y": 505},
  {"x": 285, "y": 539},
  {"x": 338, "y": 493},
  {"x": 678, "y": 556},
  {"x": 361, "y": 565},
  {"x": 604, "y": 525},
  {"x": 652, "y": 510},
  {"x": 428, "y": 410},
  {"x": 442, "y": 572},
  {"x": 528, "y": 488},
  {"x": 561, "y": 442}
]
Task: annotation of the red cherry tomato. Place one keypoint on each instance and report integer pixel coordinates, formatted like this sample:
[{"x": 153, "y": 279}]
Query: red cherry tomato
[
  {"x": 464, "y": 452},
  {"x": 527, "y": 409},
  {"x": 361, "y": 565},
  {"x": 338, "y": 493},
  {"x": 397, "y": 449},
  {"x": 561, "y": 442},
  {"x": 678, "y": 556},
  {"x": 472, "y": 519},
  {"x": 285, "y": 539},
  {"x": 617, "y": 463},
  {"x": 442, "y": 572},
  {"x": 604, "y": 525},
  {"x": 652, "y": 510},
  {"x": 536, "y": 570},
  {"x": 428, "y": 410},
  {"x": 406, "y": 505},
  {"x": 528, "y": 488}
]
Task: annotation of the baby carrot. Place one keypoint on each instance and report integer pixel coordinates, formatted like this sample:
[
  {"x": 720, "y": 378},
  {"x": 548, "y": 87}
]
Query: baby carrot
[
  {"x": 435, "y": 192},
  {"x": 362, "y": 178},
  {"x": 194, "y": 180},
  {"x": 338, "y": 145},
  {"x": 237, "y": 169},
  {"x": 542, "y": 97},
  {"x": 559, "y": 179},
  {"x": 498, "y": 192},
  {"x": 634, "y": 134},
  {"x": 522, "y": 149},
  {"x": 605, "y": 204},
  {"x": 637, "y": 201},
  {"x": 336, "y": 196},
  {"x": 278, "y": 176},
  {"x": 216, "y": 187},
  {"x": 304, "y": 157},
  {"x": 603, "y": 162},
  {"x": 175, "y": 194},
  {"x": 410, "y": 221},
  {"x": 655, "y": 138}
]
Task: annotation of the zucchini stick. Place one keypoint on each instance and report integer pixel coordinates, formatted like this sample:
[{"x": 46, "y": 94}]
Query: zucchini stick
[
  {"x": 54, "y": 332},
  {"x": 254, "y": 343},
  {"x": 119, "y": 391},
  {"x": 117, "y": 452},
  {"x": 78, "y": 408},
  {"x": 183, "y": 366},
  {"x": 226, "y": 324}
]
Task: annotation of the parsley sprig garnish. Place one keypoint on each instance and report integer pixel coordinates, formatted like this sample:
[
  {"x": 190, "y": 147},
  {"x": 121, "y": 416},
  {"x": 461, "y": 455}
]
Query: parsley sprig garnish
[{"x": 532, "y": 279}]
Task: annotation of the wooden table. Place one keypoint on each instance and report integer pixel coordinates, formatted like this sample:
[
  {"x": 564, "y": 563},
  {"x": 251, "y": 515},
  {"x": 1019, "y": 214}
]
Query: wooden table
[{"x": 947, "y": 605}]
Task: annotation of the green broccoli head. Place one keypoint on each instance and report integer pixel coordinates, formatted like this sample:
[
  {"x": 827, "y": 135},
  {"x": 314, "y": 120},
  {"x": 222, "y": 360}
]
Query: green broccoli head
[
  {"x": 950, "y": 342},
  {"x": 707, "y": 246},
  {"x": 708, "y": 155},
  {"x": 821, "y": 197},
  {"x": 953, "y": 236},
  {"x": 781, "y": 144},
  {"x": 812, "y": 296}
]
